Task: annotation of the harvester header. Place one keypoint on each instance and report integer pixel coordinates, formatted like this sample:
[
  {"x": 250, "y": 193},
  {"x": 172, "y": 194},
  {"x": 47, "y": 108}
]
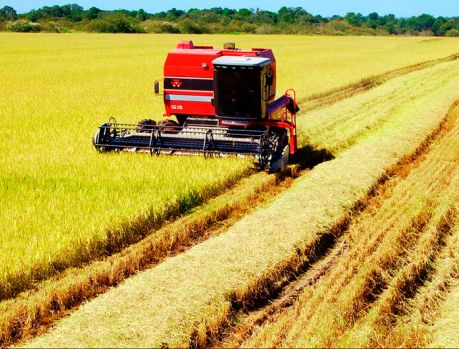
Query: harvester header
[{"x": 223, "y": 102}]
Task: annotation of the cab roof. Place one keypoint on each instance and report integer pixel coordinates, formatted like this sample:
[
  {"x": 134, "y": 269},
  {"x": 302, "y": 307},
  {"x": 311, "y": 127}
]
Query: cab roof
[{"x": 243, "y": 61}]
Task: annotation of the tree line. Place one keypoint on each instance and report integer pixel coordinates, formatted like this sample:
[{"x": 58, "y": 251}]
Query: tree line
[{"x": 289, "y": 20}]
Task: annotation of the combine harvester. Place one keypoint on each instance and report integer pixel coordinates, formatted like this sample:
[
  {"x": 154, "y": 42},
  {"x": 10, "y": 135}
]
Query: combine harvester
[{"x": 224, "y": 103}]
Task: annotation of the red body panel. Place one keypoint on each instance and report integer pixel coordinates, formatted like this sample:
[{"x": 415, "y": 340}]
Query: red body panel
[{"x": 195, "y": 62}]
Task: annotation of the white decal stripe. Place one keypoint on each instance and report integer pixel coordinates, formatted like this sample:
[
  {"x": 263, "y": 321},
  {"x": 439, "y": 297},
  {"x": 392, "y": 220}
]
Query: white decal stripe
[
  {"x": 187, "y": 98},
  {"x": 192, "y": 91},
  {"x": 186, "y": 77}
]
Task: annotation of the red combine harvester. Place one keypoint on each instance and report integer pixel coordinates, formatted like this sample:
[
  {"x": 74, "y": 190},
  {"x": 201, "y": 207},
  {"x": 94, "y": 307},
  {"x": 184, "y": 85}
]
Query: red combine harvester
[{"x": 224, "y": 103}]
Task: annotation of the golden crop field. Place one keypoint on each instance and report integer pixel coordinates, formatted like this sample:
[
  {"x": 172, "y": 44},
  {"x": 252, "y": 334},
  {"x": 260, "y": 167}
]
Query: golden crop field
[{"x": 64, "y": 205}]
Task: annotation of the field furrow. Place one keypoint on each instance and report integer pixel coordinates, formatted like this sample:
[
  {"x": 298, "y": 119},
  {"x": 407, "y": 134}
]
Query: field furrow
[
  {"x": 420, "y": 323},
  {"x": 358, "y": 302},
  {"x": 185, "y": 299}
]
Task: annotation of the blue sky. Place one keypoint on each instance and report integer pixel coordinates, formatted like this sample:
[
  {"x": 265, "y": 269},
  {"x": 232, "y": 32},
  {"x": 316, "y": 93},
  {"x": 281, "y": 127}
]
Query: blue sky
[{"x": 403, "y": 8}]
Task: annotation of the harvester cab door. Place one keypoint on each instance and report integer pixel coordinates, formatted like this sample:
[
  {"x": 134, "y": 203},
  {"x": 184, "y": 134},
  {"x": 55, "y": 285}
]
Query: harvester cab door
[{"x": 240, "y": 87}]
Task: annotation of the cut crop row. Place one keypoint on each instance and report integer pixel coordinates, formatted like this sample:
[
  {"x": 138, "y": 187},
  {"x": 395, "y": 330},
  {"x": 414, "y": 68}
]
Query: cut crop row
[{"x": 392, "y": 246}]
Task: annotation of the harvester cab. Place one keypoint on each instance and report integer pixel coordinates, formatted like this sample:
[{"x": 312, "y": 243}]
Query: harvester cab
[{"x": 224, "y": 104}]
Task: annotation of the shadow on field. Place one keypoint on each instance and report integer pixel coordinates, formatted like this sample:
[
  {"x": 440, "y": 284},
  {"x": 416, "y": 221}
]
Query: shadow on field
[{"x": 308, "y": 157}]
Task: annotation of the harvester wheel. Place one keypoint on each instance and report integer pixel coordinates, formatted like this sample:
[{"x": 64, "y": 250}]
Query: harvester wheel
[
  {"x": 169, "y": 125},
  {"x": 145, "y": 125},
  {"x": 279, "y": 160}
]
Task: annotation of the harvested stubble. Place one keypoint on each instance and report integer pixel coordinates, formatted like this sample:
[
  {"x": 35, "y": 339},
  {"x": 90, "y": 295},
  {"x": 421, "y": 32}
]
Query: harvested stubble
[
  {"x": 447, "y": 328},
  {"x": 63, "y": 204},
  {"x": 430, "y": 317},
  {"x": 187, "y": 297},
  {"x": 392, "y": 246},
  {"x": 343, "y": 124},
  {"x": 416, "y": 325}
]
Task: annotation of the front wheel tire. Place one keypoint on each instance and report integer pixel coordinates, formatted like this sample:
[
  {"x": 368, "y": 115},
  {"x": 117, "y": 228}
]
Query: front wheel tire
[
  {"x": 280, "y": 164},
  {"x": 279, "y": 158}
]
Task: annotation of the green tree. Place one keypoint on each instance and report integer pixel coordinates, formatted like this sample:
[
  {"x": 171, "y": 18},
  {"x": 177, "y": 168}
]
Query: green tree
[
  {"x": 8, "y": 13},
  {"x": 436, "y": 27},
  {"x": 244, "y": 12},
  {"x": 73, "y": 12},
  {"x": 188, "y": 26},
  {"x": 55, "y": 11},
  {"x": 33, "y": 16},
  {"x": 423, "y": 22},
  {"x": 174, "y": 14},
  {"x": 373, "y": 16},
  {"x": 390, "y": 27},
  {"x": 228, "y": 12},
  {"x": 92, "y": 13},
  {"x": 426, "y": 22},
  {"x": 451, "y": 23},
  {"x": 354, "y": 19},
  {"x": 264, "y": 17},
  {"x": 373, "y": 20},
  {"x": 141, "y": 15}
]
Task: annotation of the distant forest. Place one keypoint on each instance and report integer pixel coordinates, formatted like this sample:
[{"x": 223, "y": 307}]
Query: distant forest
[{"x": 288, "y": 20}]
